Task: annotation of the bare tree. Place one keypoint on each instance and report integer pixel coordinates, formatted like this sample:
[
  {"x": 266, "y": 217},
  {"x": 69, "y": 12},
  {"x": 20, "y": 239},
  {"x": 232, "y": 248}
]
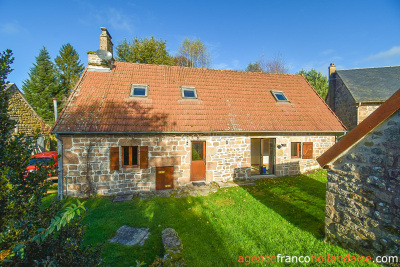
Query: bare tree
[
  {"x": 276, "y": 64},
  {"x": 193, "y": 53}
]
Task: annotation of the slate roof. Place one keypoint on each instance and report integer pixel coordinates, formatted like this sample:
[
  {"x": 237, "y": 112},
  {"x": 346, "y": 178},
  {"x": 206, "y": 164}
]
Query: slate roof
[
  {"x": 233, "y": 101},
  {"x": 371, "y": 84},
  {"x": 387, "y": 109}
]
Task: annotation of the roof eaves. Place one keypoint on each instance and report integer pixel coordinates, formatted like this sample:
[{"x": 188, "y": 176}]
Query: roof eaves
[
  {"x": 198, "y": 132},
  {"x": 366, "y": 126}
]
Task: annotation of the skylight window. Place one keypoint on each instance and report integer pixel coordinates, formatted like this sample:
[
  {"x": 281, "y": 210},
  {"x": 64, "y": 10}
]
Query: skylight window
[
  {"x": 139, "y": 90},
  {"x": 189, "y": 92},
  {"x": 279, "y": 96}
]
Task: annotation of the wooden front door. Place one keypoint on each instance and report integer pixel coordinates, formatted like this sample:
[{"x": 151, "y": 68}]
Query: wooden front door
[
  {"x": 164, "y": 178},
  {"x": 198, "y": 163}
]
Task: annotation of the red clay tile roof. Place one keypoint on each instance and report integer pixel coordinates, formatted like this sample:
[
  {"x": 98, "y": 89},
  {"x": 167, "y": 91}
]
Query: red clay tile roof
[
  {"x": 387, "y": 109},
  {"x": 227, "y": 101}
]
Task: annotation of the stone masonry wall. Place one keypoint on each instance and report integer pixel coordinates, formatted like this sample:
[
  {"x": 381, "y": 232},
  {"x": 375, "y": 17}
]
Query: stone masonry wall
[
  {"x": 362, "y": 199},
  {"x": 365, "y": 110},
  {"x": 86, "y": 160},
  {"x": 345, "y": 106},
  {"x": 286, "y": 165}
]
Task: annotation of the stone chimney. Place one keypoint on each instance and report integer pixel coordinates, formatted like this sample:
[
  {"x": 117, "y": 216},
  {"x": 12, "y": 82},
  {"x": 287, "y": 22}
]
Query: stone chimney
[
  {"x": 105, "y": 40},
  {"x": 330, "y": 98},
  {"x": 332, "y": 69},
  {"x": 105, "y": 44}
]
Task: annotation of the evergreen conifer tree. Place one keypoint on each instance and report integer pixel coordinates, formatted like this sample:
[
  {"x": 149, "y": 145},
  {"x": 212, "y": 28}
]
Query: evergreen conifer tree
[
  {"x": 69, "y": 68},
  {"x": 42, "y": 85}
]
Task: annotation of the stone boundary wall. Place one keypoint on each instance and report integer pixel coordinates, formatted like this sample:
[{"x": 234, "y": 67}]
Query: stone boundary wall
[
  {"x": 86, "y": 162},
  {"x": 362, "y": 200}
]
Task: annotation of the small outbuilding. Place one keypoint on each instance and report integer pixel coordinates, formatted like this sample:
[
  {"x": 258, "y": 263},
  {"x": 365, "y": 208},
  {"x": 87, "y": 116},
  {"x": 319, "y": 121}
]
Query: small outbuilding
[
  {"x": 363, "y": 190},
  {"x": 355, "y": 93}
]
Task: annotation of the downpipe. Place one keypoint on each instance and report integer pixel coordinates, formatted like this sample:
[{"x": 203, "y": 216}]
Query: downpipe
[{"x": 60, "y": 155}]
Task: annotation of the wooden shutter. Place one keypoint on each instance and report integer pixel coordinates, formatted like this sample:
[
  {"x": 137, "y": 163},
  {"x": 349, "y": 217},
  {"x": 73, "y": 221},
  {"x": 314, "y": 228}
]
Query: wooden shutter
[
  {"x": 114, "y": 158},
  {"x": 307, "y": 150},
  {"x": 144, "y": 157}
]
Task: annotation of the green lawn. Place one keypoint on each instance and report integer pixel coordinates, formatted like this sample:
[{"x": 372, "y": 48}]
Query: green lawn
[{"x": 277, "y": 216}]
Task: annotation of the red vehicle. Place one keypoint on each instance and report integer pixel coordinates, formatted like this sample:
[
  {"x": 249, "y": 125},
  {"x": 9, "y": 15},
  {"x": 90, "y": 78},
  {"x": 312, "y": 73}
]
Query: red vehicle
[{"x": 43, "y": 158}]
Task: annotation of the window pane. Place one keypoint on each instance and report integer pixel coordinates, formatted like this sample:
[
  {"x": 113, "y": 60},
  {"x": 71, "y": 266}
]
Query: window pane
[
  {"x": 281, "y": 96},
  {"x": 294, "y": 150},
  {"x": 295, "y": 147},
  {"x": 197, "y": 151},
  {"x": 139, "y": 91},
  {"x": 134, "y": 155},
  {"x": 126, "y": 155},
  {"x": 188, "y": 93}
]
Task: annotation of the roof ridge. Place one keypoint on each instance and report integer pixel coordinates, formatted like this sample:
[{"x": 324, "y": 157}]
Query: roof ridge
[
  {"x": 371, "y": 68},
  {"x": 208, "y": 69}
]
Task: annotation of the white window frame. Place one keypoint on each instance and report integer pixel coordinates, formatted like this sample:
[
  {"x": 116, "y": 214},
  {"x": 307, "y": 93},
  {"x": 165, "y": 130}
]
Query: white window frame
[
  {"x": 276, "y": 98},
  {"x": 183, "y": 88},
  {"x": 139, "y": 86}
]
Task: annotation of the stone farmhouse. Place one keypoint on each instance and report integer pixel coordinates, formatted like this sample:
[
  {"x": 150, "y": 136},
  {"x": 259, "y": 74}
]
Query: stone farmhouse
[
  {"x": 28, "y": 121},
  {"x": 355, "y": 93},
  {"x": 362, "y": 199},
  {"x": 129, "y": 127}
]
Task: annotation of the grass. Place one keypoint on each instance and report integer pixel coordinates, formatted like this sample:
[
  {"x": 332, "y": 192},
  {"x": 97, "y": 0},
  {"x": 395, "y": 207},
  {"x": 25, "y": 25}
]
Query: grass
[{"x": 276, "y": 216}]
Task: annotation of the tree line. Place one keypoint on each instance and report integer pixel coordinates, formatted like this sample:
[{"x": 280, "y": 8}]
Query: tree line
[{"x": 49, "y": 79}]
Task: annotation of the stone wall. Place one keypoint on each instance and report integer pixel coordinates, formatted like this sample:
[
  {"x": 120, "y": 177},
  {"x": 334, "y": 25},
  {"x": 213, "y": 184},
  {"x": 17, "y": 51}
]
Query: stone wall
[
  {"x": 365, "y": 110},
  {"x": 286, "y": 165},
  {"x": 362, "y": 198},
  {"x": 86, "y": 159},
  {"x": 345, "y": 106}
]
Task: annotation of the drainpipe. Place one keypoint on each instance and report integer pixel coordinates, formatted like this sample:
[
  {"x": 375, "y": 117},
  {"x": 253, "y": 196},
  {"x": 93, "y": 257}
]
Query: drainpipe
[{"x": 59, "y": 152}]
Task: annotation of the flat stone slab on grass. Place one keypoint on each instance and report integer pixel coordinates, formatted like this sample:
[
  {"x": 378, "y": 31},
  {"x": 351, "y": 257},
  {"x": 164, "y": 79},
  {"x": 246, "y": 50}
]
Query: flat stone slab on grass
[
  {"x": 240, "y": 183},
  {"x": 130, "y": 236},
  {"x": 227, "y": 184},
  {"x": 123, "y": 198}
]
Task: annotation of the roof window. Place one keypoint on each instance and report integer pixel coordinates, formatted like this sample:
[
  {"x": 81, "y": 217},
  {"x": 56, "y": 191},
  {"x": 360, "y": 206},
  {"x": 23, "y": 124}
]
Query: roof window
[
  {"x": 139, "y": 90},
  {"x": 279, "y": 96},
  {"x": 188, "y": 92}
]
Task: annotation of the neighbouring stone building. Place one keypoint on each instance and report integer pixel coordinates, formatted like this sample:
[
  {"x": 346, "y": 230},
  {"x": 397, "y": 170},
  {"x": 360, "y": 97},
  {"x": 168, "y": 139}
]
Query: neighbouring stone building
[
  {"x": 129, "y": 127},
  {"x": 363, "y": 191},
  {"x": 28, "y": 121},
  {"x": 355, "y": 93}
]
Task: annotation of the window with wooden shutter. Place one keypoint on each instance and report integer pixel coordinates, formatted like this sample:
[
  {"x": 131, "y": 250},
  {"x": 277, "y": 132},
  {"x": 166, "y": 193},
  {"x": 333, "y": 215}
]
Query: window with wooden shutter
[
  {"x": 130, "y": 156},
  {"x": 307, "y": 150},
  {"x": 114, "y": 158},
  {"x": 144, "y": 157}
]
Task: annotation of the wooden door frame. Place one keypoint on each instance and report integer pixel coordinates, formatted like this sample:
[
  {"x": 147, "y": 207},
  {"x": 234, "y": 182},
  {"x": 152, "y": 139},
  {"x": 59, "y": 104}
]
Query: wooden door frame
[{"x": 204, "y": 157}]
